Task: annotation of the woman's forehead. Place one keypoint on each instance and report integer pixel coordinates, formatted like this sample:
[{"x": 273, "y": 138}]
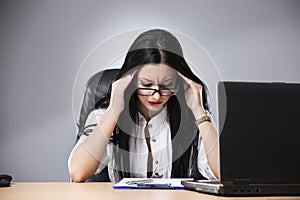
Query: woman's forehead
[{"x": 157, "y": 72}]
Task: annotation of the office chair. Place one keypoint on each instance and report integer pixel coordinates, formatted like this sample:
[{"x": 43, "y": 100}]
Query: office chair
[{"x": 94, "y": 97}]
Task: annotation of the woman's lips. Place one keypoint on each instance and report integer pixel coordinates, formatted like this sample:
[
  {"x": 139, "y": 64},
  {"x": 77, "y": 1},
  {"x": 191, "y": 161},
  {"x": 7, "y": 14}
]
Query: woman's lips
[{"x": 152, "y": 103}]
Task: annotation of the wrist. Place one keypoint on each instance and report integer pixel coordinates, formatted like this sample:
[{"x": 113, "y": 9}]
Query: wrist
[
  {"x": 199, "y": 113},
  {"x": 204, "y": 118}
]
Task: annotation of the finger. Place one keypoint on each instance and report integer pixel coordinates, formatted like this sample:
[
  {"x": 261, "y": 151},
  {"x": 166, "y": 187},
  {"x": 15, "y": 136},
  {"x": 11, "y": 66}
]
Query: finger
[
  {"x": 187, "y": 80},
  {"x": 128, "y": 77},
  {"x": 190, "y": 83},
  {"x": 124, "y": 80},
  {"x": 134, "y": 72},
  {"x": 182, "y": 76},
  {"x": 131, "y": 75}
]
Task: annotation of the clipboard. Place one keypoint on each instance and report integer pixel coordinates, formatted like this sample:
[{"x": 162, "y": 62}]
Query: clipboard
[{"x": 150, "y": 183}]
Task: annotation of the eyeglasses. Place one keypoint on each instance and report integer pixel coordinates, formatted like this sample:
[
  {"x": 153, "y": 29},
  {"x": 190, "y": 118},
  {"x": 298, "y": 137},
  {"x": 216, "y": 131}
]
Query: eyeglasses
[{"x": 151, "y": 92}]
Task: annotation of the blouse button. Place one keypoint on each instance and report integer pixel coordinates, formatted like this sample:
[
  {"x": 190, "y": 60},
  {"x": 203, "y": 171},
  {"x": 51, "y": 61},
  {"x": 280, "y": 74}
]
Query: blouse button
[
  {"x": 153, "y": 140},
  {"x": 142, "y": 121},
  {"x": 156, "y": 162},
  {"x": 149, "y": 126}
]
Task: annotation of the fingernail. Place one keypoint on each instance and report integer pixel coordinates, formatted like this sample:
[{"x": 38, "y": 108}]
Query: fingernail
[{"x": 132, "y": 73}]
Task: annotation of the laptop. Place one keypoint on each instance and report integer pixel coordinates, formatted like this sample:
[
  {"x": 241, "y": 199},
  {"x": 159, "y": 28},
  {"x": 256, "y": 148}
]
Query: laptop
[{"x": 259, "y": 143}]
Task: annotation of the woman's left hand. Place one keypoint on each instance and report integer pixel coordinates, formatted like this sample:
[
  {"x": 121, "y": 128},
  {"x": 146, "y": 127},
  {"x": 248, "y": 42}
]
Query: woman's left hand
[
  {"x": 193, "y": 96},
  {"x": 209, "y": 134}
]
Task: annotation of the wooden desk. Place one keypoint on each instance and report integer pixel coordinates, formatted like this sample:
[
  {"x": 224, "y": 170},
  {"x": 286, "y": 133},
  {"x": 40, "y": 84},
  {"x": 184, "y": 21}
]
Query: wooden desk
[{"x": 101, "y": 191}]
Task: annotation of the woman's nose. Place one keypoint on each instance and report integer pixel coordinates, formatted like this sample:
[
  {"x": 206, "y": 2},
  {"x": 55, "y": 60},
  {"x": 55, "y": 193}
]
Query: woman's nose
[
  {"x": 155, "y": 87},
  {"x": 156, "y": 96}
]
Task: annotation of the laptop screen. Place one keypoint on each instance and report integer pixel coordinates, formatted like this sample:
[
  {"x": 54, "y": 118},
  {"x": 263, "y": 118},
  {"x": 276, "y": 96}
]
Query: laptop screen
[{"x": 259, "y": 126}]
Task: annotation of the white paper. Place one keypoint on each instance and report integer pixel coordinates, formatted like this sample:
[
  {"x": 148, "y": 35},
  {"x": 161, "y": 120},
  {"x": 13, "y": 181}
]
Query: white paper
[{"x": 136, "y": 183}]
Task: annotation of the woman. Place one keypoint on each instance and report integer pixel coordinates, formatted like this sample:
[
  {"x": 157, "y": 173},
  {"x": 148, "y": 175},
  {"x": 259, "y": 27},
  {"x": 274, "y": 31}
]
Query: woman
[{"x": 148, "y": 128}]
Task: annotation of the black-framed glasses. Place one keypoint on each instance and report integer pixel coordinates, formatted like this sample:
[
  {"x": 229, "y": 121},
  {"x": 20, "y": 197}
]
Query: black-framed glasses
[{"x": 151, "y": 91}]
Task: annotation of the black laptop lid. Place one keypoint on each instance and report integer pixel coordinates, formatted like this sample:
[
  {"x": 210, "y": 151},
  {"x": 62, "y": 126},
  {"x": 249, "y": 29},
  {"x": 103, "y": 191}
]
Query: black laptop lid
[{"x": 260, "y": 132}]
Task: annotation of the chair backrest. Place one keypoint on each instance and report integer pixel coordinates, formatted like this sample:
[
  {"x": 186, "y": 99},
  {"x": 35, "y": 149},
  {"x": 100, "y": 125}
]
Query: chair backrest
[{"x": 95, "y": 95}]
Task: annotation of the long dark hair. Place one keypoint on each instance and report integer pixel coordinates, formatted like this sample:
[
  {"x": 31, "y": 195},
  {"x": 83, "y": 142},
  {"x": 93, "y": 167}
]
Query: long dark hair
[{"x": 155, "y": 47}]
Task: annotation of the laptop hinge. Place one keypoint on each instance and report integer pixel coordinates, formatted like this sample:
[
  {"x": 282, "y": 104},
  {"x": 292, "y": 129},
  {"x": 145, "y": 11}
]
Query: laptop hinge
[{"x": 240, "y": 181}]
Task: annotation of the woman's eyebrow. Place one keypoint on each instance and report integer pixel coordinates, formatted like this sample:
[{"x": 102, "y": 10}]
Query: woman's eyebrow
[
  {"x": 170, "y": 79},
  {"x": 146, "y": 79}
]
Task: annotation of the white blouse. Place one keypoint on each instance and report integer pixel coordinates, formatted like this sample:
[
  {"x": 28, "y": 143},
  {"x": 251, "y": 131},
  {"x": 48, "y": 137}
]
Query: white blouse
[{"x": 161, "y": 146}]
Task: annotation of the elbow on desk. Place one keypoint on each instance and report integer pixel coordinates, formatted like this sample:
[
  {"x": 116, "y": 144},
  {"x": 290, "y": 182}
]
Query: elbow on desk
[
  {"x": 76, "y": 176},
  {"x": 76, "y": 173}
]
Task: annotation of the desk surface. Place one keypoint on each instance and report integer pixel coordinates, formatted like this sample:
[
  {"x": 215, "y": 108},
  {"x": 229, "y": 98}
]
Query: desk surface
[{"x": 100, "y": 191}]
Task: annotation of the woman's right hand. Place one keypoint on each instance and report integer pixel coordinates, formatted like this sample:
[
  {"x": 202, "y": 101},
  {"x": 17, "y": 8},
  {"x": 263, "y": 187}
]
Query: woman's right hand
[
  {"x": 93, "y": 147},
  {"x": 117, "y": 93}
]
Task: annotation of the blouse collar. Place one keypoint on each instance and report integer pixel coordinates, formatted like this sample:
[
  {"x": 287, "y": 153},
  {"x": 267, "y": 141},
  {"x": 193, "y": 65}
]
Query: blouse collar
[{"x": 160, "y": 118}]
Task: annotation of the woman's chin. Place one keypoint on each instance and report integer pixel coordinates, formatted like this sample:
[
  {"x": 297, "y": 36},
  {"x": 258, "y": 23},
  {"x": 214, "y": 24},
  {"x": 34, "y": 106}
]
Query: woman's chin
[{"x": 155, "y": 109}]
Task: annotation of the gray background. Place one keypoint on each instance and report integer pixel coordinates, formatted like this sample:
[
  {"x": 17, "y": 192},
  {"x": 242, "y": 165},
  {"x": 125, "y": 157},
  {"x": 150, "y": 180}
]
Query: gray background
[{"x": 43, "y": 44}]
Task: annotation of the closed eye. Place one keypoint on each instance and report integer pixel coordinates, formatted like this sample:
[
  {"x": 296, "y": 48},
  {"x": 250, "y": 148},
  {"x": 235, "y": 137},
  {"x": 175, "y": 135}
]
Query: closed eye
[
  {"x": 164, "y": 87},
  {"x": 146, "y": 84},
  {"x": 161, "y": 86}
]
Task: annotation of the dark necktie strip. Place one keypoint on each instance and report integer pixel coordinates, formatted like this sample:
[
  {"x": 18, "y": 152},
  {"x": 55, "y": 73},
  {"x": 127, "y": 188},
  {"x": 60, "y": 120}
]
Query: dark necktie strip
[{"x": 150, "y": 157}]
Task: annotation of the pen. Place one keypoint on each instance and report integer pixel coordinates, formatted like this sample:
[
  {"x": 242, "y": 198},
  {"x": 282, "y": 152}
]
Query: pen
[
  {"x": 135, "y": 182},
  {"x": 154, "y": 184}
]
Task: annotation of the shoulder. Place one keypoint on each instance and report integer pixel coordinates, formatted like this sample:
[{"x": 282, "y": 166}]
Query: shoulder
[
  {"x": 91, "y": 122},
  {"x": 93, "y": 118},
  {"x": 95, "y": 115}
]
